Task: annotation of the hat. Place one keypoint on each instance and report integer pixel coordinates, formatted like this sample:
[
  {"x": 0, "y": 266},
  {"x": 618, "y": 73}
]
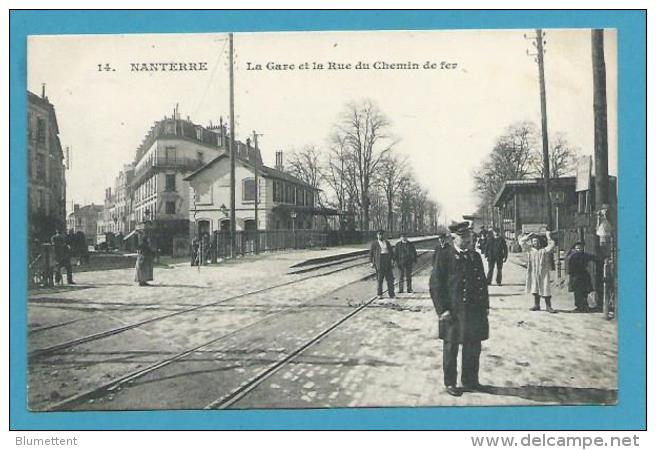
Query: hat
[
  {"x": 380, "y": 230},
  {"x": 459, "y": 227}
]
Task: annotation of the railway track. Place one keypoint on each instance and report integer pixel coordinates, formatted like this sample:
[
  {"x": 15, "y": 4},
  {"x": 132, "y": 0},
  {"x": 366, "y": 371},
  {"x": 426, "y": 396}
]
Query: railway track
[
  {"x": 45, "y": 351},
  {"x": 233, "y": 396},
  {"x": 229, "y": 399}
]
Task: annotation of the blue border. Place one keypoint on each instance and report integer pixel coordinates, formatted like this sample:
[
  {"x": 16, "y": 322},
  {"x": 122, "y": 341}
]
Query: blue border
[{"x": 630, "y": 413}]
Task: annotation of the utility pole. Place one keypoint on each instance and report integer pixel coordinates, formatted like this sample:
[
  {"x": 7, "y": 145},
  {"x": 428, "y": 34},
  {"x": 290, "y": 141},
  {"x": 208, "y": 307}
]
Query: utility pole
[
  {"x": 257, "y": 188},
  {"x": 232, "y": 147},
  {"x": 538, "y": 43},
  {"x": 600, "y": 143},
  {"x": 545, "y": 138}
]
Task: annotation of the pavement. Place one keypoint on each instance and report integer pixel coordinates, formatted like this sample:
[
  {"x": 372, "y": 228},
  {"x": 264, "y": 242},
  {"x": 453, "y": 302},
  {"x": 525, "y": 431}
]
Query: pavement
[{"x": 386, "y": 355}]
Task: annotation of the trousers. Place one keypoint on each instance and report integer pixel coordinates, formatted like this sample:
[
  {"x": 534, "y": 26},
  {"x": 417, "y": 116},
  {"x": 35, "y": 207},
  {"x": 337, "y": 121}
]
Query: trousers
[
  {"x": 385, "y": 273},
  {"x": 490, "y": 269},
  {"x": 471, "y": 352},
  {"x": 405, "y": 273}
]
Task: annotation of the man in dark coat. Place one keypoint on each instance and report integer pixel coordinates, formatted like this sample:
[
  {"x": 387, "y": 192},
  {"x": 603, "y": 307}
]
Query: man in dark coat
[
  {"x": 62, "y": 255},
  {"x": 381, "y": 255},
  {"x": 496, "y": 251},
  {"x": 405, "y": 255},
  {"x": 459, "y": 293},
  {"x": 442, "y": 243},
  {"x": 580, "y": 282}
]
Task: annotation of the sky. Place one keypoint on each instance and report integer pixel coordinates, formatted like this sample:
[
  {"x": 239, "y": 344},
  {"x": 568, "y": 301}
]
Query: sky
[{"x": 446, "y": 120}]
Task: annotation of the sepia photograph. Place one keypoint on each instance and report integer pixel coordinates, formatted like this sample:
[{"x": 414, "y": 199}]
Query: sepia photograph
[{"x": 310, "y": 220}]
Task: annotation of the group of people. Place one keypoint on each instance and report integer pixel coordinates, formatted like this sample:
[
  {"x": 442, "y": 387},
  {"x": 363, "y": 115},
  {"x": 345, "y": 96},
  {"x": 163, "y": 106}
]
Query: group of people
[
  {"x": 383, "y": 256},
  {"x": 459, "y": 287}
]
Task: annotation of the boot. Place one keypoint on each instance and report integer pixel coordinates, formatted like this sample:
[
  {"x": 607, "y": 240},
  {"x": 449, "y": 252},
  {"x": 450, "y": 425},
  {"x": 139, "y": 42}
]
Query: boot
[
  {"x": 536, "y": 304},
  {"x": 547, "y": 300}
]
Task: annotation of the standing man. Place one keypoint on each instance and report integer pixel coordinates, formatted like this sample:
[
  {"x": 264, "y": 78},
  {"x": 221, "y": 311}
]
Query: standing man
[
  {"x": 62, "y": 255},
  {"x": 405, "y": 255},
  {"x": 580, "y": 282},
  {"x": 381, "y": 256},
  {"x": 496, "y": 252},
  {"x": 459, "y": 293},
  {"x": 538, "y": 277},
  {"x": 482, "y": 241},
  {"x": 442, "y": 243}
]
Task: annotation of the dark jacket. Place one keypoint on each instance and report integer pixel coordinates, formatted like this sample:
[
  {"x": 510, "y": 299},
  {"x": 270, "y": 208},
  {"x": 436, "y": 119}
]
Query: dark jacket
[
  {"x": 405, "y": 253},
  {"x": 60, "y": 245},
  {"x": 577, "y": 268},
  {"x": 380, "y": 260},
  {"x": 459, "y": 286},
  {"x": 496, "y": 248}
]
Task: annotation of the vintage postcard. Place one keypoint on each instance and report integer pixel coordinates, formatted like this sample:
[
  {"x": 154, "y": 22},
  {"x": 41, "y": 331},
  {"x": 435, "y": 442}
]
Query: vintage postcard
[{"x": 322, "y": 219}]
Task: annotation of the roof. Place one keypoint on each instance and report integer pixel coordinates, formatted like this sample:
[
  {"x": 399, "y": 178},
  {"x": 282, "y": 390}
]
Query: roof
[
  {"x": 510, "y": 186},
  {"x": 87, "y": 209},
  {"x": 44, "y": 103},
  {"x": 265, "y": 171}
]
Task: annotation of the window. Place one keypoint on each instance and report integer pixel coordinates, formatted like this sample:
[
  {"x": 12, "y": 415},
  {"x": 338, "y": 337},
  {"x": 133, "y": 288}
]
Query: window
[
  {"x": 41, "y": 167},
  {"x": 248, "y": 191},
  {"x": 170, "y": 207},
  {"x": 170, "y": 182},
  {"x": 170, "y": 155},
  {"x": 277, "y": 191},
  {"x": 41, "y": 201},
  {"x": 199, "y": 133},
  {"x": 40, "y": 130}
]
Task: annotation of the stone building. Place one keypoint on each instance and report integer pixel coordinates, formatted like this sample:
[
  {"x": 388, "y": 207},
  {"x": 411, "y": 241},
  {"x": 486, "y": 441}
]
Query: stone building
[
  {"x": 172, "y": 149},
  {"x": 46, "y": 173},
  {"x": 85, "y": 219}
]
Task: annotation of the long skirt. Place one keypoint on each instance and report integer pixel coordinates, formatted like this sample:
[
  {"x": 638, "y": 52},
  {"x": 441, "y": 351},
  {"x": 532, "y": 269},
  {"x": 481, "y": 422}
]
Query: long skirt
[{"x": 143, "y": 270}]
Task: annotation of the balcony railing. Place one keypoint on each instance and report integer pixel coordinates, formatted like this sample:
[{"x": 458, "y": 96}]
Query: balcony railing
[{"x": 181, "y": 164}]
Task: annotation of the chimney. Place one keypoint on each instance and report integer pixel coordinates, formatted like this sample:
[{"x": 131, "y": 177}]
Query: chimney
[
  {"x": 76, "y": 207},
  {"x": 43, "y": 91},
  {"x": 279, "y": 163}
]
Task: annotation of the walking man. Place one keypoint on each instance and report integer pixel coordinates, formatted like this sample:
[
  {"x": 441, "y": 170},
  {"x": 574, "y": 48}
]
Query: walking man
[
  {"x": 496, "y": 252},
  {"x": 538, "y": 278},
  {"x": 459, "y": 293},
  {"x": 62, "y": 255},
  {"x": 381, "y": 257},
  {"x": 405, "y": 255}
]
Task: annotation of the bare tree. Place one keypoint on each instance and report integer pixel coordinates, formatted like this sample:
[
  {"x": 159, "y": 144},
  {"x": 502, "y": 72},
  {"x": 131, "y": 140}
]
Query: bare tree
[
  {"x": 305, "y": 164},
  {"x": 512, "y": 158},
  {"x": 562, "y": 158},
  {"x": 364, "y": 131},
  {"x": 392, "y": 172}
]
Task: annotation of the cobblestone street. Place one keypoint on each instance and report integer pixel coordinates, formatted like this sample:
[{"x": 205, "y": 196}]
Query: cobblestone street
[{"x": 385, "y": 355}]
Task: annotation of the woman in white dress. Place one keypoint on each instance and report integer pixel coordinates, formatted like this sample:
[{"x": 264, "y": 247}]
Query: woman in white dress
[{"x": 538, "y": 278}]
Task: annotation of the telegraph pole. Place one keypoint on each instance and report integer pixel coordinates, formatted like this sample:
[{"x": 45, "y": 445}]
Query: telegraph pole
[
  {"x": 600, "y": 119},
  {"x": 257, "y": 188},
  {"x": 232, "y": 147},
  {"x": 545, "y": 138},
  {"x": 600, "y": 143}
]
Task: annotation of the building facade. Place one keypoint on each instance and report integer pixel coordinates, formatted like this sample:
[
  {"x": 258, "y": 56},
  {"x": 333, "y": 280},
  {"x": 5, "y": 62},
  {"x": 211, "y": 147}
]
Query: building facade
[
  {"x": 85, "y": 219},
  {"x": 284, "y": 201},
  {"x": 520, "y": 205},
  {"x": 172, "y": 149},
  {"x": 46, "y": 177}
]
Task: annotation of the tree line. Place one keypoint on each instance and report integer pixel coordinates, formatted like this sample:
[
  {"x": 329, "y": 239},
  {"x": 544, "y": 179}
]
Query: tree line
[
  {"x": 361, "y": 173},
  {"x": 517, "y": 155}
]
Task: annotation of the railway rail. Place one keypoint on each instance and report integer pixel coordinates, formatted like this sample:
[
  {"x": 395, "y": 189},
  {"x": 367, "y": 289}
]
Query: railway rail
[
  {"x": 41, "y": 352},
  {"x": 234, "y": 395}
]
